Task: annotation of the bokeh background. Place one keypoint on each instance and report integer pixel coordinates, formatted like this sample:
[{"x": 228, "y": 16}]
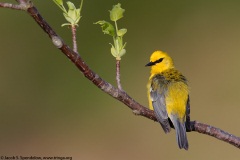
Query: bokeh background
[{"x": 48, "y": 108}]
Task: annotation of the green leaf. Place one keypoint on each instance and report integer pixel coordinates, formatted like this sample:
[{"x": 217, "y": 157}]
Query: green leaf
[
  {"x": 78, "y": 19},
  {"x": 117, "y": 12},
  {"x": 78, "y": 12},
  {"x": 118, "y": 46},
  {"x": 121, "y": 32},
  {"x": 81, "y": 5},
  {"x": 71, "y": 11},
  {"x": 58, "y": 2},
  {"x": 73, "y": 14},
  {"x": 71, "y": 6},
  {"x": 69, "y": 19},
  {"x": 122, "y": 52},
  {"x": 66, "y": 24},
  {"x": 107, "y": 27},
  {"x": 113, "y": 51}
]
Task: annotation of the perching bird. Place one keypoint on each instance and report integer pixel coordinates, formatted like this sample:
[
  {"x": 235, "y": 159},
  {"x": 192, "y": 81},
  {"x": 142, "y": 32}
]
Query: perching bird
[{"x": 168, "y": 95}]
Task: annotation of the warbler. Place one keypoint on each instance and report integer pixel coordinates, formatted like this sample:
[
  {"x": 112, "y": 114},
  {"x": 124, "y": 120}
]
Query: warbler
[{"x": 168, "y": 95}]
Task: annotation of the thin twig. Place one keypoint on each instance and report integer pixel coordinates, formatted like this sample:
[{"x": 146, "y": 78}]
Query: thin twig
[
  {"x": 120, "y": 94},
  {"x": 74, "y": 39},
  {"x": 118, "y": 74}
]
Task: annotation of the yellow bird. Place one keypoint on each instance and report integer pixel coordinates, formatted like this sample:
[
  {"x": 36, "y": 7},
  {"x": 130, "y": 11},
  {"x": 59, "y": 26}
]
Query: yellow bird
[{"x": 168, "y": 95}]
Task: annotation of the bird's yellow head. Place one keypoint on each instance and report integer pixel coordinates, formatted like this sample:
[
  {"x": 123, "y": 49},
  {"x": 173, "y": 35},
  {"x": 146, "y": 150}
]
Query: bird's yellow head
[{"x": 159, "y": 62}]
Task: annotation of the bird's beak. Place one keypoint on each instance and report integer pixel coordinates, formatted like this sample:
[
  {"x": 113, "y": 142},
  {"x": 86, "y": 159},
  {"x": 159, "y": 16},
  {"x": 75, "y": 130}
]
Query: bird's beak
[{"x": 149, "y": 64}]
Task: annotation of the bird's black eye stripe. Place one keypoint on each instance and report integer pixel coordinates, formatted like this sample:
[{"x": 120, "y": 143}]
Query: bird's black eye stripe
[
  {"x": 155, "y": 62},
  {"x": 158, "y": 61}
]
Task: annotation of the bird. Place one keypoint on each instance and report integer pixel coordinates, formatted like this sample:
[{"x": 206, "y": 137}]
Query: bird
[{"x": 168, "y": 95}]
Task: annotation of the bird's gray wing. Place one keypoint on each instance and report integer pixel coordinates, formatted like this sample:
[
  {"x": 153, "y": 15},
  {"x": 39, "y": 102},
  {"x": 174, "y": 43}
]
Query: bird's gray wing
[
  {"x": 158, "y": 92},
  {"x": 188, "y": 125}
]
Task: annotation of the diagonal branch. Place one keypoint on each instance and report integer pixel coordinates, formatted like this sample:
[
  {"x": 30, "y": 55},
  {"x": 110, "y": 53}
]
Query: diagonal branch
[
  {"x": 216, "y": 132},
  {"x": 10, "y": 5},
  {"x": 116, "y": 93},
  {"x": 20, "y": 6}
]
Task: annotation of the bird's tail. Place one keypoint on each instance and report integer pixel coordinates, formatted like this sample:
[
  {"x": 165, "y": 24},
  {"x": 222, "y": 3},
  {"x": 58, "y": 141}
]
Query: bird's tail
[{"x": 180, "y": 133}]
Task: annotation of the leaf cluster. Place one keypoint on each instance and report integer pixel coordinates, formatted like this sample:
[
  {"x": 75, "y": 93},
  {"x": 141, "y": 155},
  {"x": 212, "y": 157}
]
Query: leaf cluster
[
  {"x": 118, "y": 47},
  {"x": 73, "y": 15}
]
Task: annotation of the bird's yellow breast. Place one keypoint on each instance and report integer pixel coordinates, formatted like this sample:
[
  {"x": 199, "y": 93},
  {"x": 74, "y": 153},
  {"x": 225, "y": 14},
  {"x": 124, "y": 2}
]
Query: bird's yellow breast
[
  {"x": 176, "y": 99},
  {"x": 176, "y": 95}
]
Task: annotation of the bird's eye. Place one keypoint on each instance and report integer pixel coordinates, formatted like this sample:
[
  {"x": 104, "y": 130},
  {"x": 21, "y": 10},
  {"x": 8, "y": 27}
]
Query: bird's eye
[{"x": 158, "y": 61}]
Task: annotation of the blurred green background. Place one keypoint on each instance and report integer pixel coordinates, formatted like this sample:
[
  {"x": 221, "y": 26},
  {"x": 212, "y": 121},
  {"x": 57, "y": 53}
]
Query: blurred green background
[{"x": 48, "y": 108}]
